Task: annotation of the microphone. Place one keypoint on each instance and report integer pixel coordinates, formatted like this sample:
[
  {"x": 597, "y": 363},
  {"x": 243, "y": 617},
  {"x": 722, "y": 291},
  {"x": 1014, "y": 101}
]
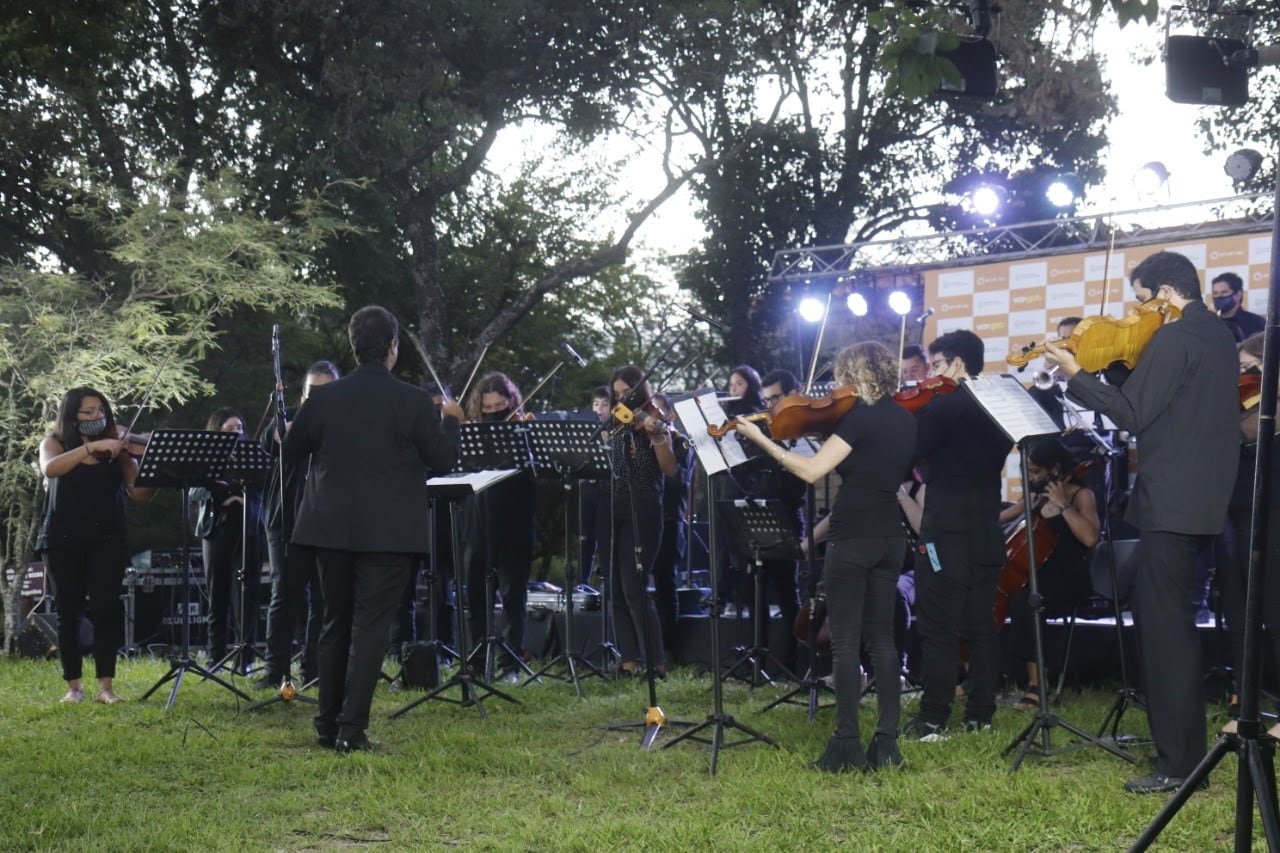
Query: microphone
[
  {"x": 582, "y": 362},
  {"x": 1254, "y": 57},
  {"x": 925, "y": 316},
  {"x": 704, "y": 318}
]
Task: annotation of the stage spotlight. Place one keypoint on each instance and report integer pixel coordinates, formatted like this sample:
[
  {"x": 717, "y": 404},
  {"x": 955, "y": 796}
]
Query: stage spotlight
[
  {"x": 857, "y": 304},
  {"x": 900, "y": 303},
  {"x": 1150, "y": 178},
  {"x": 1063, "y": 192},
  {"x": 1243, "y": 165},
  {"x": 812, "y": 309},
  {"x": 986, "y": 200}
]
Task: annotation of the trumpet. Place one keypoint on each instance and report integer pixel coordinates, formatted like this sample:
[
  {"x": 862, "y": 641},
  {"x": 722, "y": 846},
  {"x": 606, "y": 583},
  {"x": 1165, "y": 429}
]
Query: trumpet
[{"x": 1045, "y": 379}]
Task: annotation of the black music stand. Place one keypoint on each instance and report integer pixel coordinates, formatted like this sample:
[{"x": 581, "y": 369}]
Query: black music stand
[
  {"x": 247, "y": 468},
  {"x": 764, "y": 527},
  {"x": 1016, "y": 413},
  {"x": 696, "y": 415},
  {"x": 454, "y": 488},
  {"x": 502, "y": 446},
  {"x": 572, "y": 450},
  {"x": 184, "y": 459}
]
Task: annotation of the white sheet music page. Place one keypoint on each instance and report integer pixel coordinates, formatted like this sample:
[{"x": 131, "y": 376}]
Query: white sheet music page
[
  {"x": 695, "y": 413},
  {"x": 1010, "y": 405},
  {"x": 477, "y": 480}
]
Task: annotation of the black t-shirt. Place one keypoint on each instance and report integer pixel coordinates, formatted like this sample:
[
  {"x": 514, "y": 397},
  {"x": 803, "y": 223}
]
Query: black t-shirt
[{"x": 883, "y": 438}]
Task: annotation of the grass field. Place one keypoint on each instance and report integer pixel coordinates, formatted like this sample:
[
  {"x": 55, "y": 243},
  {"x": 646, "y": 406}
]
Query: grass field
[{"x": 541, "y": 775}]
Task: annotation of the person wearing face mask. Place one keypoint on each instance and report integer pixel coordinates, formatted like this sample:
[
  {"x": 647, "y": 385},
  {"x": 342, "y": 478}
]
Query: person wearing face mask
[
  {"x": 1228, "y": 301},
  {"x": 82, "y": 532},
  {"x": 1062, "y": 575},
  {"x": 229, "y": 523},
  {"x": 1182, "y": 405},
  {"x": 499, "y": 526}
]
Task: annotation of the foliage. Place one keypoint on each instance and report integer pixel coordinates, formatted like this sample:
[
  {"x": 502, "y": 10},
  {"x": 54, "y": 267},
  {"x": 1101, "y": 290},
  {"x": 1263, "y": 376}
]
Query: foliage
[
  {"x": 182, "y": 263},
  {"x": 540, "y": 775}
]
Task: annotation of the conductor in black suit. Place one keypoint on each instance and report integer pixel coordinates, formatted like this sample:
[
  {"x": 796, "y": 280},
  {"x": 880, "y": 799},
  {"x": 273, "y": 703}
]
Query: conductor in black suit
[
  {"x": 1182, "y": 404},
  {"x": 373, "y": 441}
]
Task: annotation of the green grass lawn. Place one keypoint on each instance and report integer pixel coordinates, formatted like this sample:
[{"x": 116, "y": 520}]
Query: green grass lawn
[{"x": 541, "y": 775}]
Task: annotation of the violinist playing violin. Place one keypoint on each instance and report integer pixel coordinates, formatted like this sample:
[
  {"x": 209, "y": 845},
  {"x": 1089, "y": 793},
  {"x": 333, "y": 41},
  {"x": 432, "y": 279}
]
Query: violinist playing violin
[
  {"x": 961, "y": 547},
  {"x": 871, "y": 448},
  {"x": 641, "y": 455},
  {"x": 1062, "y": 574},
  {"x": 82, "y": 532},
  {"x": 1181, "y": 403}
]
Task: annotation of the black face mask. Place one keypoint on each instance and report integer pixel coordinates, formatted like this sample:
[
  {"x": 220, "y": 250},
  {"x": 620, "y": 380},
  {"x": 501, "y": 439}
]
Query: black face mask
[
  {"x": 1251, "y": 371},
  {"x": 495, "y": 417}
]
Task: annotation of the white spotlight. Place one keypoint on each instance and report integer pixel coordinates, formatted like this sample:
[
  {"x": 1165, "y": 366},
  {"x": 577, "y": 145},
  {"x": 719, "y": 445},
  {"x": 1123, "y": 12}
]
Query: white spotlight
[
  {"x": 812, "y": 309},
  {"x": 900, "y": 302}
]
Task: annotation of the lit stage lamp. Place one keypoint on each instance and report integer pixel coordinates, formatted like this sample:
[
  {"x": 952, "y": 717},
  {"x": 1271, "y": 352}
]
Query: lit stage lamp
[
  {"x": 985, "y": 200},
  {"x": 811, "y": 309},
  {"x": 857, "y": 304},
  {"x": 1063, "y": 192},
  {"x": 900, "y": 303}
]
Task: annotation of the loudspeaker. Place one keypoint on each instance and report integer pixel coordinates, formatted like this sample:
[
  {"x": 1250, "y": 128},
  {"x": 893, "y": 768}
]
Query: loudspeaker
[
  {"x": 1196, "y": 71},
  {"x": 975, "y": 59},
  {"x": 38, "y": 636}
]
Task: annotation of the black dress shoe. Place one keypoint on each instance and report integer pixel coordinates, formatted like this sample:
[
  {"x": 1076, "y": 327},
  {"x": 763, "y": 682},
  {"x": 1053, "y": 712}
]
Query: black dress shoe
[
  {"x": 327, "y": 741},
  {"x": 360, "y": 743},
  {"x": 1157, "y": 783}
]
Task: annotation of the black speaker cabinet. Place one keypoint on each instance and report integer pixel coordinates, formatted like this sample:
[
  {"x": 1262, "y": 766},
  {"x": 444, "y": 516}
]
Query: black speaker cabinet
[{"x": 1196, "y": 71}]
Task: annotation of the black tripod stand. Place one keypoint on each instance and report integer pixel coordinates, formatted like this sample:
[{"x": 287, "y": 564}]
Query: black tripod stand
[
  {"x": 184, "y": 459},
  {"x": 452, "y": 489},
  {"x": 718, "y": 723},
  {"x": 1044, "y": 721},
  {"x": 763, "y": 526},
  {"x": 572, "y": 449}
]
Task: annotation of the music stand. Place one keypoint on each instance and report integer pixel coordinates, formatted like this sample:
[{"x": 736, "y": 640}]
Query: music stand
[
  {"x": 572, "y": 450},
  {"x": 184, "y": 459},
  {"x": 696, "y": 414},
  {"x": 765, "y": 528},
  {"x": 1022, "y": 419},
  {"x": 505, "y": 447},
  {"x": 452, "y": 489},
  {"x": 247, "y": 468}
]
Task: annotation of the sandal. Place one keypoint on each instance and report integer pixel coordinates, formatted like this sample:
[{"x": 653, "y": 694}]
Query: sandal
[
  {"x": 72, "y": 697},
  {"x": 1029, "y": 701},
  {"x": 108, "y": 697}
]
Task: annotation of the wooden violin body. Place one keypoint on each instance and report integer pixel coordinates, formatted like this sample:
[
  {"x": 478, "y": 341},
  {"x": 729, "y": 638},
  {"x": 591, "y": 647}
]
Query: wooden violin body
[
  {"x": 799, "y": 416},
  {"x": 1250, "y": 387},
  {"x": 913, "y": 399},
  {"x": 1098, "y": 342}
]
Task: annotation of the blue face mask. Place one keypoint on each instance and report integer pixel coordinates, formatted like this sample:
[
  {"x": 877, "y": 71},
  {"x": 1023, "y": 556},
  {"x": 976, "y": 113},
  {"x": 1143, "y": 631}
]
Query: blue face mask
[{"x": 1224, "y": 303}]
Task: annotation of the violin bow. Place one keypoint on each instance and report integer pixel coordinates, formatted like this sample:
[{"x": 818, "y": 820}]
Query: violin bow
[
  {"x": 536, "y": 388},
  {"x": 817, "y": 348},
  {"x": 466, "y": 387},
  {"x": 142, "y": 405}
]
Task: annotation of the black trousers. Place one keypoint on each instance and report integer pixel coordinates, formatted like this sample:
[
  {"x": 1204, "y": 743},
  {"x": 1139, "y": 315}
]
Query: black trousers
[
  {"x": 1165, "y": 617},
  {"x": 361, "y": 592},
  {"x": 954, "y": 605},
  {"x": 635, "y": 614},
  {"x": 295, "y": 596},
  {"x": 92, "y": 571},
  {"x": 861, "y": 582},
  {"x": 222, "y": 565}
]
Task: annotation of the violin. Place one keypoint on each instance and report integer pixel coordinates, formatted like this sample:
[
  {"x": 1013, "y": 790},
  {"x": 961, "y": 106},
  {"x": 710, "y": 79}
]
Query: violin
[
  {"x": 1098, "y": 342},
  {"x": 913, "y": 398},
  {"x": 1250, "y": 387},
  {"x": 798, "y": 416}
]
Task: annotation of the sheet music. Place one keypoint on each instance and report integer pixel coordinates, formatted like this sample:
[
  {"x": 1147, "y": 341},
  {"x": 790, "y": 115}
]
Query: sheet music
[
  {"x": 709, "y": 406},
  {"x": 478, "y": 481},
  {"x": 1010, "y": 405}
]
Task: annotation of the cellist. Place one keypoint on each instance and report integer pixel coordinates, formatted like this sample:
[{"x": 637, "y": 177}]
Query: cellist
[{"x": 1062, "y": 574}]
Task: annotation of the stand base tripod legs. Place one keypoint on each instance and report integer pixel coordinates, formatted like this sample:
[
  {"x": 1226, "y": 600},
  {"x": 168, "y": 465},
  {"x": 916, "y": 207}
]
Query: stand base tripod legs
[
  {"x": 719, "y": 724},
  {"x": 473, "y": 692},
  {"x": 1042, "y": 726},
  {"x": 179, "y": 667},
  {"x": 811, "y": 687},
  {"x": 287, "y": 693}
]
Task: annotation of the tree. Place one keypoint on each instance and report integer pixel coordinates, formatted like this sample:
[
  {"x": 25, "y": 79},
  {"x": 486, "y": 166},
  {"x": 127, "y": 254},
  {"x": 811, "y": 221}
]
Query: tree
[{"x": 184, "y": 262}]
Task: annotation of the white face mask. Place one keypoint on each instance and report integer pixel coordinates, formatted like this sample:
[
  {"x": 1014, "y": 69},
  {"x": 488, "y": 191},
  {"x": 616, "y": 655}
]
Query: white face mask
[{"x": 93, "y": 427}]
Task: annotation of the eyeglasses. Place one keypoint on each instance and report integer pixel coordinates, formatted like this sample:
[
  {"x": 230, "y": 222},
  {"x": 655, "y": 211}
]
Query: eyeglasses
[{"x": 772, "y": 399}]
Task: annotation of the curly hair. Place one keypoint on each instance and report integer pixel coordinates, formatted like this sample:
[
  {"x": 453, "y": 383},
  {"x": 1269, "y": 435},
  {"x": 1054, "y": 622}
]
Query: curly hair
[
  {"x": 870, "y": 367},
  {"x": 493, "y": 382}
]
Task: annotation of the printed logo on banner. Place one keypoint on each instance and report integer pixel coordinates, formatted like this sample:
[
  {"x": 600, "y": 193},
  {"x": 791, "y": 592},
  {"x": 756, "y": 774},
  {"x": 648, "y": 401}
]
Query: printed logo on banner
[
  {"x": 954, "y": 306},
  {"x": 1095, "y": 266},
  {"x": 985, "y": 327},
  {"x": 992, "y": 278},
  {"x": 1260, "y": 250},
  {"x": 1064, "y": 295},
  {"x": 1197, "y": 253},
  {"x": 1027, "y": 299},
  {"x": 1028, "y": 323},
  {"x": 1028, "y": 275},
  {"x": 996, "y": 350},
  {"x": 955, "y": 283},
  {"x": 991, "y": 303},
  {"x": 1067, "y": 268},
  {"x": 1225, "y": 254},
  {"x": 1256, "y": 300},
  {"x": 951, "y": 324}
]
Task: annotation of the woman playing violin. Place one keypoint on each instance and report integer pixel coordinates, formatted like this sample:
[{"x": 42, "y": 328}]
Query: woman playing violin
[
  {"x": 1063, "y": 574},
  {"x": 82, "y": 532},
  {"x": 642, "y": 455},
  {"x": 871, "y": 449}
]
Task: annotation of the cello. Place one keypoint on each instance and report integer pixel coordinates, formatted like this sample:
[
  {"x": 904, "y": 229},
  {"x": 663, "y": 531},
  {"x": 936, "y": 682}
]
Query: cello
[{"x": 1016, "y": 573}]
